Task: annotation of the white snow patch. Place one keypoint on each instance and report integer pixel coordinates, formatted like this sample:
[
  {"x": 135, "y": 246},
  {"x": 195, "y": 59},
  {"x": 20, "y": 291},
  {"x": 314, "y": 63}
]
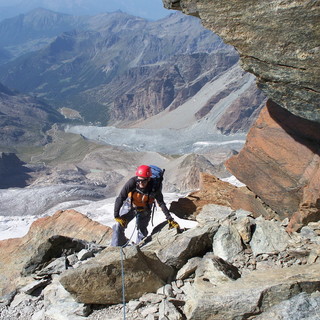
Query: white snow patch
[
  {"x": 233, "y": 180},
  {"x": 15, "y": 227},
  {"x": 100, "y": 211},
  {"x": 216, "y": 143}
]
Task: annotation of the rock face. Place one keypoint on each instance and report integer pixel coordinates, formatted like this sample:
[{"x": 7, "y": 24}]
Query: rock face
[
  {"x": 214, "y": 191},
  {"x": 170, "y": 86},
  {"x": 289, "y": 181},
  {"x": 277, "y": 41},
  {"x": 19, "y": 254}
]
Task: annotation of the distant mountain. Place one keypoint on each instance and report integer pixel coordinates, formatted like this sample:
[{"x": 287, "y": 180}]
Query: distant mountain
[
  {"x": 151, "y": 10},
  {"x": 116, "y": 52},
  {"x": 168, "y": 86},
  {"x": 5, "y": 56},
  {"x": 119, "y": 69},
  {"x": 24, "y": 120},
  {"x": 33, "y": 31}
]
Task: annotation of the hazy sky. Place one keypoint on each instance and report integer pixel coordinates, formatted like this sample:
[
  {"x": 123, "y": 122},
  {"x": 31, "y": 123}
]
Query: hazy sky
[{"x": 149, "y": 9}]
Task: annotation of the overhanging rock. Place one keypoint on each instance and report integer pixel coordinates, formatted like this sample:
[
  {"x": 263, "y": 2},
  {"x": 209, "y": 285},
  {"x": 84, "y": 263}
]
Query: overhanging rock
[{"x": 277, "y": 42}]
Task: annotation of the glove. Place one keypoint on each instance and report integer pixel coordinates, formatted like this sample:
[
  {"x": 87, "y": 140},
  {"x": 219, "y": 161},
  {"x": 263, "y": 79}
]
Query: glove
[
  {"x": 173, "y": 224},
  {"x": 123, "y": 222}
]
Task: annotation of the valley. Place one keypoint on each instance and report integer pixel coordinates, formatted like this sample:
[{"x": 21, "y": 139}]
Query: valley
[
  {"x": 86, "y": 99},
  {"x": 96, "y": 96}
]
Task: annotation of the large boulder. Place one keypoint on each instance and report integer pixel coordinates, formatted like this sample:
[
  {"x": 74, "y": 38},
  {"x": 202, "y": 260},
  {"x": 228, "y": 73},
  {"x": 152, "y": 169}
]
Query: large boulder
[
  {"x": 215, "y": 191},
  {"x": 251, "y": 294},
  {"x": 99, "y": 281},
  {"x": 227, "y": 242},
  {"x": 174, "y": 249},
  {"x": 30, "y": 251},
  {"x": 280, "y": 162},
  {"x": 268, "y": 237},
  {"x": 213, "y": 271}
]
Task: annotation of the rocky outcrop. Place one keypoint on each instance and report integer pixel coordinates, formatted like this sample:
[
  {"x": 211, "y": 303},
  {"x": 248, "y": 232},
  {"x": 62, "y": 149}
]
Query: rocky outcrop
[
  {"x": 282, "y": 156},
  {"x": 276, "y": 40},
  {"x": 31, "y": 251},
  {"x": 280, "y": 162},
  {"x": 228, "y": 266},
  {"x": 143, "y": 273},
  {"x": 250, "y": 295},
  {"x": 215, "y": 191}
]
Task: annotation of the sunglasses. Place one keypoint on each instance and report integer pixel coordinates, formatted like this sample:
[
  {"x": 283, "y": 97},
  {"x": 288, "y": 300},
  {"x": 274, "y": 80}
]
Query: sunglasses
[{"x": 142, "y": 180}]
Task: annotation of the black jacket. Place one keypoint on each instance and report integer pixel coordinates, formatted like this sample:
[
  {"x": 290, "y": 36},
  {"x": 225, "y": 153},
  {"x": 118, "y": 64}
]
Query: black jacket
[{"x": 131, "y": 186}]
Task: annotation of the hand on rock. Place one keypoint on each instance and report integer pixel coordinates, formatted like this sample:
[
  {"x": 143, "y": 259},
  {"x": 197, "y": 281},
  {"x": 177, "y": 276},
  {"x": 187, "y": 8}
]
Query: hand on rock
[
  {"x": 123, "y": 222},
  {"x": 173, "y": 224}
]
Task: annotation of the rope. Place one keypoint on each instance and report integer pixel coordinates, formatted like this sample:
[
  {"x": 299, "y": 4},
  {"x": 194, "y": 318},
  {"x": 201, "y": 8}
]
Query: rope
[
  {"x": 122, "y": 273},
  {"x": 123, "y": 287}
]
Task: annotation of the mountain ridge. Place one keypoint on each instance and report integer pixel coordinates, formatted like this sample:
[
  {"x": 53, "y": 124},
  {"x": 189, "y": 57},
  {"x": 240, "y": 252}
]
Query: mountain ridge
[
  {"x": 151, "y": 10},
  {"x": 26, "y": 123},
  {"x": 34, "y": 30},
  {"x": 101, "y": 68}
]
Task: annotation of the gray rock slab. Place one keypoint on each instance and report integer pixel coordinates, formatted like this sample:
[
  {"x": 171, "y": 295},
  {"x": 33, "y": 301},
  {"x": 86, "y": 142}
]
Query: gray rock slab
[
  {"x": 268, "y": 237},
  {"x": 31, "y": 287},
  {"x": 301, "y": 306},
  {"x": 251, "y": 294},
  {"x": 60, "y": 305},
  {"x": 99, "y": 281},
  {"x": 214, "y": 213},
  {"x": 227, "y": 242},
  {"x": 175, "y": 249}
]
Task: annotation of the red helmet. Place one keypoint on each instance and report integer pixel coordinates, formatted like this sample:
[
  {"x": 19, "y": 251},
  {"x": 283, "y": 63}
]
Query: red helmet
[{"x": 143, "y": 171}]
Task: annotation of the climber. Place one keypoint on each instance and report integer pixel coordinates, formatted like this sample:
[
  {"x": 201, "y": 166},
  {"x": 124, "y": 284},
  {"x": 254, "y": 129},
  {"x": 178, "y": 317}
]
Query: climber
[{"x": 136, "y": 200}]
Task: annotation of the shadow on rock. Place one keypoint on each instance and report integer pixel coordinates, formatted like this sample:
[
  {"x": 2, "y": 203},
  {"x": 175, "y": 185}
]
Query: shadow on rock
[{"x": 13, "y": 172}]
